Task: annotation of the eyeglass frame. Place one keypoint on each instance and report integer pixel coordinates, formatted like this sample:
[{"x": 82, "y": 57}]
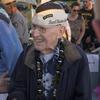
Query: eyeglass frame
[
  {"x": 40, "y": 28},
  {"x": 85, "y": 1},
  {"x": 75, "y": 10}
]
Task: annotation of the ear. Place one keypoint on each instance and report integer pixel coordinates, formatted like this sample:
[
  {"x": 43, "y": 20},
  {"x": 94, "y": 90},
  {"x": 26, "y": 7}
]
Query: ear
[{"x": 61, "y": 31}]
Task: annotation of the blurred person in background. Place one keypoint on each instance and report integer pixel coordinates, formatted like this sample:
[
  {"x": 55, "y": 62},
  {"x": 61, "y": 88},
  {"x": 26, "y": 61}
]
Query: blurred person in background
[
  {"x": 96, "y": 26},
  {"x": 52, "y": 68},
  {"x": 18, "y": 20},
  {"x": 10, "y": 49},
  {"x": 96, "y": 20},
  {"x": 89, "y": 37},
  {"x": 77, "y": 24}
]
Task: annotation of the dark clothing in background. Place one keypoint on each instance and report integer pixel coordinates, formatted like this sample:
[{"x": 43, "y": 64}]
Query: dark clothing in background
[{"x": 89, "y": 32}]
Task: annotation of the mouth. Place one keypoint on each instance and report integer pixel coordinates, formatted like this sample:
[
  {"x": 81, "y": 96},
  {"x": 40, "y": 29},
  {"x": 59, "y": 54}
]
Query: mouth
[{"x": 38, "y": 41}]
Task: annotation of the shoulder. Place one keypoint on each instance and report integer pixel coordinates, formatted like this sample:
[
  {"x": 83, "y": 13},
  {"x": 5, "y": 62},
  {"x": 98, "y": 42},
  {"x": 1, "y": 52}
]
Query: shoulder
[
  {"x": 4, "y": 27},
  {"x": 20, "y": 16},
  {"x": 72, "y": 52}
]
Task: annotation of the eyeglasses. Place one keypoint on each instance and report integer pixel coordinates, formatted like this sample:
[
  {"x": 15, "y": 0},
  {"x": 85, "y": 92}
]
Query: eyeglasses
[
  {"x": 76, "y": 10},
  {"x": 85, "y": 1},
  {"x": 41, "y": 29}
]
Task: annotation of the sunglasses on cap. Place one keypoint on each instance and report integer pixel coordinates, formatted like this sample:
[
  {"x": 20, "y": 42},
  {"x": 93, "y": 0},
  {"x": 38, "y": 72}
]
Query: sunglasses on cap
[{"x": 86, "y": 1}]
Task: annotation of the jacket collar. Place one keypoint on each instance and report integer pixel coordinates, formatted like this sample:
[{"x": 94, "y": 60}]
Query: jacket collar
[
  {"x": 70, "y": 51},
  {"x": 30, "y": 58}
]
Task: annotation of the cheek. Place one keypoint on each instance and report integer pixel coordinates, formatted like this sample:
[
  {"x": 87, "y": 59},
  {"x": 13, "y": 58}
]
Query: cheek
[
  {"x": 51, "y": 37},
  {"x": 51, "y": 40}
]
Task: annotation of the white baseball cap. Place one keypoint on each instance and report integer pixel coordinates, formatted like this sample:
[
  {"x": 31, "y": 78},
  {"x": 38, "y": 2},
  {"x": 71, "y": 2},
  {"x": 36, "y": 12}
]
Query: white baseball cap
[
  {"x": 49, "y": 14},
  {"x": 7, "y": 1}
]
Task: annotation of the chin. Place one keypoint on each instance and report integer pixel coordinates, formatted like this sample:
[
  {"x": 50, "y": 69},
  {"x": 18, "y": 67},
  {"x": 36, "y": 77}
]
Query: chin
[{"x": 39, "y": 47}]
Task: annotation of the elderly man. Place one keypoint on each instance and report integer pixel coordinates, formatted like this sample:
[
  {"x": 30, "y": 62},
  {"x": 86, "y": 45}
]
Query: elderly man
[{"x": 52, "y": 68}]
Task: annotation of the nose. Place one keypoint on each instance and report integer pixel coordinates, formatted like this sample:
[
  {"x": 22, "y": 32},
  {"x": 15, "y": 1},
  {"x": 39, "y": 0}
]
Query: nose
[{"x": 35, "y": 33}]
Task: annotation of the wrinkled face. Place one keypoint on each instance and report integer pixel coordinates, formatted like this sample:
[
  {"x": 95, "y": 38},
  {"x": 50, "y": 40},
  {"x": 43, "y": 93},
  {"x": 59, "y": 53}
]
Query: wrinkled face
[
  {"x": 45, "y": 39},
  {"x": 87, "y": 3},
  {"x": 75, "y": 10}
]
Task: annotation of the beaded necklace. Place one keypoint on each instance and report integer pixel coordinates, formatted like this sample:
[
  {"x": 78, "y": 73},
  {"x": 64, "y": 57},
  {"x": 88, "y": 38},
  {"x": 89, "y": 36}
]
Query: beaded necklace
[{"x": 39, "y": 73}]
